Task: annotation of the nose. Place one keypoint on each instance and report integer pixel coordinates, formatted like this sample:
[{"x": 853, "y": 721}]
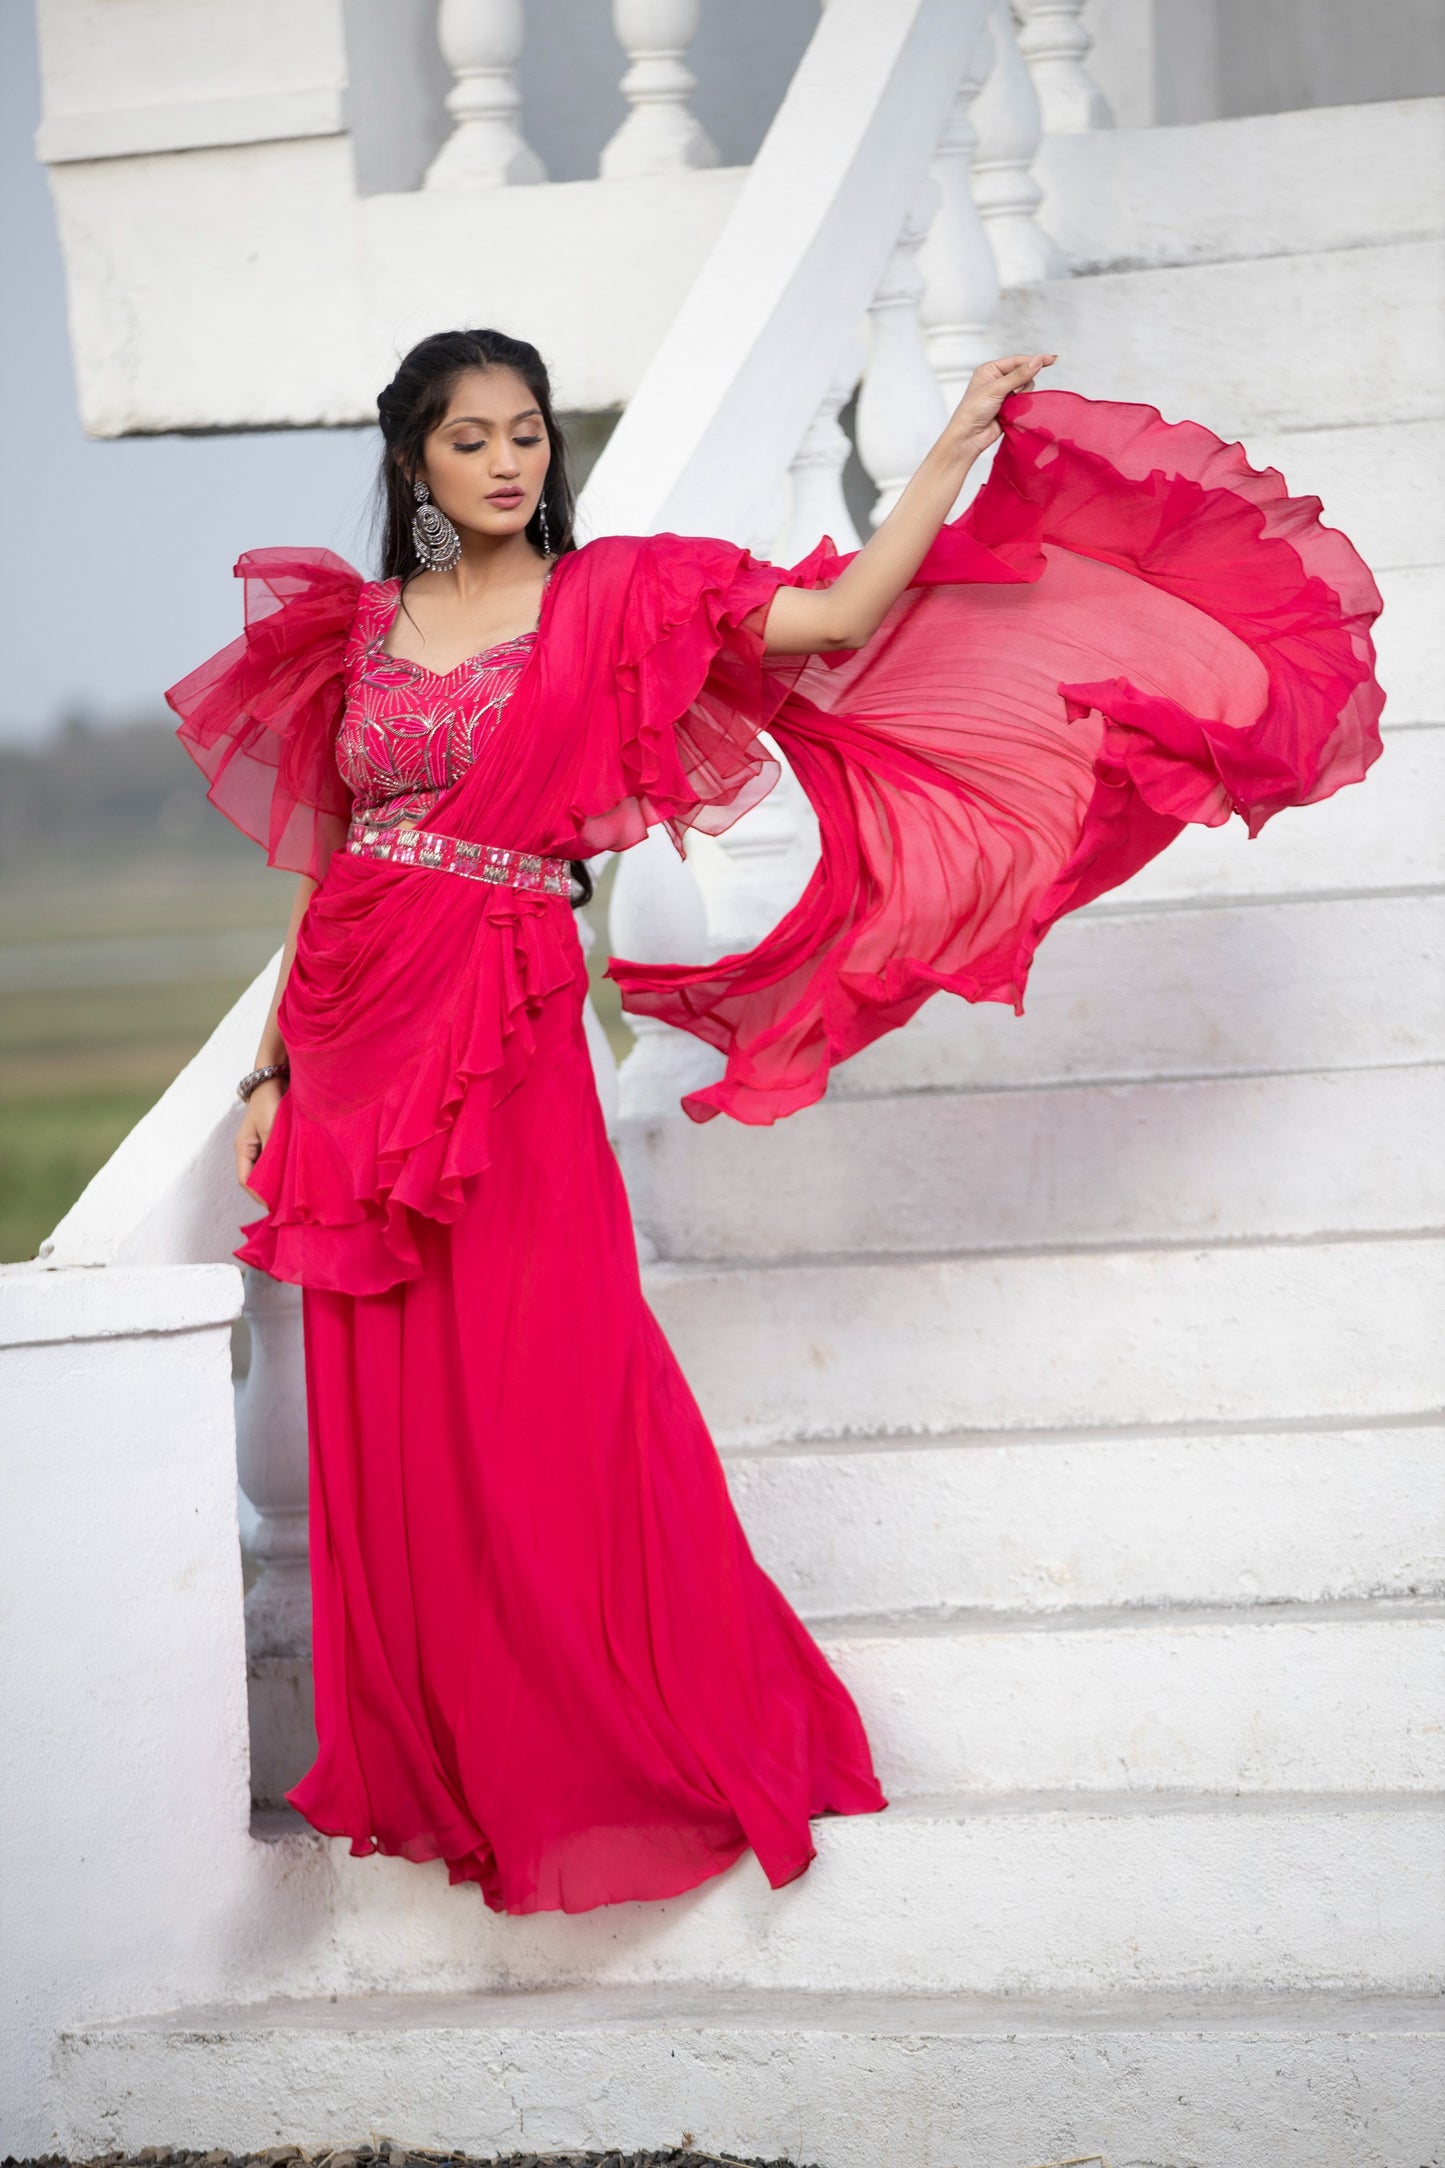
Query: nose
[{"x": 505, "y": 464}]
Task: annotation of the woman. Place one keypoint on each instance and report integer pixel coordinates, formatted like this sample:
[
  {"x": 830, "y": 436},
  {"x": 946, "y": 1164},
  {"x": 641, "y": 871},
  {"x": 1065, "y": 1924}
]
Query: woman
[{"x": 543, "y": 1650}]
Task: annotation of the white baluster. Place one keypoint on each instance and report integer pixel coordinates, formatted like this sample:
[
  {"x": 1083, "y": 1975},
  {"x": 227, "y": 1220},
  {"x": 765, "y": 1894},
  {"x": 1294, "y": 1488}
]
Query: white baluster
[
  {"x": 960, "y": 279},
  {"x": 657, "y": 916},
  {"x": 818, "y": 505},
  {"x": 271, "y": 1461},
  {"x": 1009, "y": 125},
  {"x": 756, "y": 870},
  {"x": 900, "y": 407},
  {"x": 599, "y": 1046},
  {"x": 482, "y": 43},
  {"x": 1054, "y": 42},
  {"x": 660, "y": 134}
]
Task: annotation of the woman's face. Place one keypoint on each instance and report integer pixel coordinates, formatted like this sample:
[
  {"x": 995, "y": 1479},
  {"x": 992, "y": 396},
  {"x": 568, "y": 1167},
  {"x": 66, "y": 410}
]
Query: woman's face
[{"x": 486, "y": 460}]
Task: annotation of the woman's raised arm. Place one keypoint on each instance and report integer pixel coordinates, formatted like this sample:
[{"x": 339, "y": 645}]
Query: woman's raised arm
[
  {"x": 260, "y": 1108},
  {"x": 808, "y": 620}
]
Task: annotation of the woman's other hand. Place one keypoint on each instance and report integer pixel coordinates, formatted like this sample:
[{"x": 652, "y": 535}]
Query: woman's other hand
[
  {"x": 974, "y": 422},
  {"x": 257, "y": 1116}
]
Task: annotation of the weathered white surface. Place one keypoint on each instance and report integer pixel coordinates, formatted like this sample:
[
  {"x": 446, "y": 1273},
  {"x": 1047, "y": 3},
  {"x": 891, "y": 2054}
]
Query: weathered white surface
[
  {"x": 1264, "y": 1332},
  {"x": 161, "y": 73},
  {"x": 1410, "y": 642},
  {"x": 1031, "y": 1894},
  {"x": 1300, "y": 985},
  {"x": 1350, "y": 1151},
  {"x": 1222, "y": 342},
  {"x": 124, "y": 1798},
  {"x": 1272, "y": 185},
  {"x": 1303, "y": 1699},
  {"x": 876, "y": 2082},
  {"x": 969, "y": 1523}
]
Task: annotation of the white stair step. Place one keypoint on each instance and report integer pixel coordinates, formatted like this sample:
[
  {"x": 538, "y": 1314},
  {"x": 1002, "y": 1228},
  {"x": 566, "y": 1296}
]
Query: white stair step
[
  {"x": 1387, "y": 833},
  {"x": 1378, "y": 481},
  {"x": 1266, "y": 185},
  {"x": 875, "y": 2081},
  {"x": 1069, "y": 1893},
  {"x": 1090, "y": 1339},
  {"x": 1316, "y": 1698},
  {"x": 1226, "y": 343},
  {"x": 1041, "y": 1523},
  {"x": 1221, "y": 1158},
  {"x": 1340, "y": 983},
  {"x": 1410, "y": 643}
]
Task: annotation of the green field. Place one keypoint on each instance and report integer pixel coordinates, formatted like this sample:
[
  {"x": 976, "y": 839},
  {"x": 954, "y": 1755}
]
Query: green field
[{"x": 119, "y": 890}]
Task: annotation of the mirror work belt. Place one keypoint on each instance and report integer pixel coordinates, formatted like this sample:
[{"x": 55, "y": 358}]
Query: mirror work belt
[{"x": 474, "y": 861}]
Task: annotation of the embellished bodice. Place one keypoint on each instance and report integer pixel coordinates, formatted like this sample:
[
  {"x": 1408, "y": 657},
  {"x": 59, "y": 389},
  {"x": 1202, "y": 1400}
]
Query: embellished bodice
[{"x": 408, "y": 733}]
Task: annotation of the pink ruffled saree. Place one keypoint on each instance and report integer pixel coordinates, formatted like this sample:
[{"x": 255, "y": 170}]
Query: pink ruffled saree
[{"x": 544, "y": 1652}]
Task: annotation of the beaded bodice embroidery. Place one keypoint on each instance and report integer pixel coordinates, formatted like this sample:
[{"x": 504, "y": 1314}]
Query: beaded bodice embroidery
[{"x": 408, "y": 733}]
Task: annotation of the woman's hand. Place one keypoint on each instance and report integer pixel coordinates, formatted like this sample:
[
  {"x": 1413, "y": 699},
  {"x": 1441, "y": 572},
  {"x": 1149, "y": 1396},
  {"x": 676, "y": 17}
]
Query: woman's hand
[
  {"x": 256, "y": 1119},
  {"x": 974, "y": 424}
]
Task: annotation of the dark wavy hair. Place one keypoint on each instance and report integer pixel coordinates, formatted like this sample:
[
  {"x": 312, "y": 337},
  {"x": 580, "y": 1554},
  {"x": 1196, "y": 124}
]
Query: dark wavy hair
[{"x": 409, "y": 409}]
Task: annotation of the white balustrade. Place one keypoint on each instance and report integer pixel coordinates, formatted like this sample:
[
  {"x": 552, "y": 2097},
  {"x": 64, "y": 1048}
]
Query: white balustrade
[
  {"x": 657, "y": 915},
  {"x": 818, "y": 506},
  {"x": 1009, "y": 125},
  {"x": 271, "y": 1462},
  {"x": 482, "y": 43},
  {"x": 1054, "y": 43},
  {"x": 900, "y": 407},
  {"x": 960, "y": 279},
  {"x": 661, "y": 133}
]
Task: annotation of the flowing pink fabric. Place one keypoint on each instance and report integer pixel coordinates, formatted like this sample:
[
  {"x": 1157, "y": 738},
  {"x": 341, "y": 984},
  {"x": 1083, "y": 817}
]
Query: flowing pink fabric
[
  {"x": 544, "y": 1651},
  {"x": 1191, "y": 643}
]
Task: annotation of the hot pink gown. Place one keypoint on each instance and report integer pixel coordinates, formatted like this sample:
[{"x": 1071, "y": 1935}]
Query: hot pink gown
[{"x": 543, "y": 1650}]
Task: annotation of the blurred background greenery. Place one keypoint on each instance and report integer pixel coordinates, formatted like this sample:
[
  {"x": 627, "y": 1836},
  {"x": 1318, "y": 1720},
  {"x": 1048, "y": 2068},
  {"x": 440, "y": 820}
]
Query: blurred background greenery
[{"x": 131, "y": 917}]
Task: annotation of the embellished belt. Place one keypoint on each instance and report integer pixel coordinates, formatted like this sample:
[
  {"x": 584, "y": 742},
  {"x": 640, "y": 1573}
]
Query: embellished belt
[{"x": 474, "y": 861}]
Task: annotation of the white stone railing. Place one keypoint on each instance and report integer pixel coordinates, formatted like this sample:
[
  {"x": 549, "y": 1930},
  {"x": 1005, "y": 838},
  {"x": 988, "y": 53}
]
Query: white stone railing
[{"x": 969, "y": 228}]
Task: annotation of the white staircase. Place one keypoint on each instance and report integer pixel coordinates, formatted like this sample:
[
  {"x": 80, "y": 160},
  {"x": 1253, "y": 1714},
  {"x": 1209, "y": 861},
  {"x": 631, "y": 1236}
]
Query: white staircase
[{"x": 1079, "y": 1379}]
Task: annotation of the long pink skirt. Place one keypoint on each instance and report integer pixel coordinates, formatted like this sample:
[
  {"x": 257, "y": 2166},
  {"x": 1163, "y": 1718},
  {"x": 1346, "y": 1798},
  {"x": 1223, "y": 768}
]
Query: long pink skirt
[{"x": 544, "y": 1651}]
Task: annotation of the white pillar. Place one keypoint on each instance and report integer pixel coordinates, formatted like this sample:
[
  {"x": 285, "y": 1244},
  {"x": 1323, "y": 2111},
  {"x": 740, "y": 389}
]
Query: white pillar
[
  {"x": 660, "y": 133},
  {"x": 960, "y": 281},
  {"x": 818, "y": 506},
  {"x": 599, "y": 1046},
  {"x": 1054, "y": 43},
  {"x": 657, "y": 916},
  {"x": 481, "y": 41},
  {"x": 1009, "y": 125},
  {"x": 271, "y": 1461},
  {"x": 900, "y": 407}
]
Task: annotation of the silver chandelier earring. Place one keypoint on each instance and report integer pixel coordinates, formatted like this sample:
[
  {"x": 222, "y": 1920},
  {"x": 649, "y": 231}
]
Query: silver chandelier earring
[
  {"x": 542, "y": 523},
  {"x": 438, "y": 544}
]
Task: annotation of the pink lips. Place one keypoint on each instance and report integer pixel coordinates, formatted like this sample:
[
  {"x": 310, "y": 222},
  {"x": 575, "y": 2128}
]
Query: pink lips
[{"x": 505, "y": 497}]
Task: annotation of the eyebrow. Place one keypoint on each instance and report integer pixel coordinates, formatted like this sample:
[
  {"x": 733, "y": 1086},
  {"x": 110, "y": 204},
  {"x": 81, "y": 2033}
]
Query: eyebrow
[{"x": 483, "y": 421}]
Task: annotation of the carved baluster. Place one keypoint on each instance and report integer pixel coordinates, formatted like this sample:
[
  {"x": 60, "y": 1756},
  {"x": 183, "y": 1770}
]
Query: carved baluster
[
  {"x": 1054, "y": 42},
  {"x": 599, "y": 1046},
  {"x": 660, "y": 134},
  {"x": 271, "y": 1462},
  {"x": 1008, "y": 122},
  {"x": 960, "y": 280},
  {"x": 818, "y": 505},
  {"x": 756, "y": 870},
  {"x": 900, "y": 407},
  {"x": 482, "y": 43},
  {"x": 657, "y": 916}
]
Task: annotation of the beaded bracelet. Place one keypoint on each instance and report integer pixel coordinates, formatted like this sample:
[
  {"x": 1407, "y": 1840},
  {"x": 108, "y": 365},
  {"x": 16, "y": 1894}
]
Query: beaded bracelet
[{"x": 253, "y": 1077}]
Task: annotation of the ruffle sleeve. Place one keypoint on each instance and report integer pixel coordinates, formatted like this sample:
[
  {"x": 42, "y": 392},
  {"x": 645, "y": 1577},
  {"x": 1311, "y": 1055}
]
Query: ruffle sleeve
[
  {"x": 260, "y": 718},
  {"x": 1172, "y": 638}
]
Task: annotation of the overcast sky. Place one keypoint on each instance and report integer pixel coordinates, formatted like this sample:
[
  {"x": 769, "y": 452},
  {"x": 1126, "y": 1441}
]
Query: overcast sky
[{"x": 115, "y": 559}]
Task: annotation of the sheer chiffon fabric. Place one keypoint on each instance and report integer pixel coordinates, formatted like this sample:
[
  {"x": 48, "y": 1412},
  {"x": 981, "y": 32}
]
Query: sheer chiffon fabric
[{"x": 544, "y": 1651}]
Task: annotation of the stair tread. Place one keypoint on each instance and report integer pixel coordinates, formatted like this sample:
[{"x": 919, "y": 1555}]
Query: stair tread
[
  {"x": 613, "y": 2007},
  {"x": 1140, "y": 1618}
]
